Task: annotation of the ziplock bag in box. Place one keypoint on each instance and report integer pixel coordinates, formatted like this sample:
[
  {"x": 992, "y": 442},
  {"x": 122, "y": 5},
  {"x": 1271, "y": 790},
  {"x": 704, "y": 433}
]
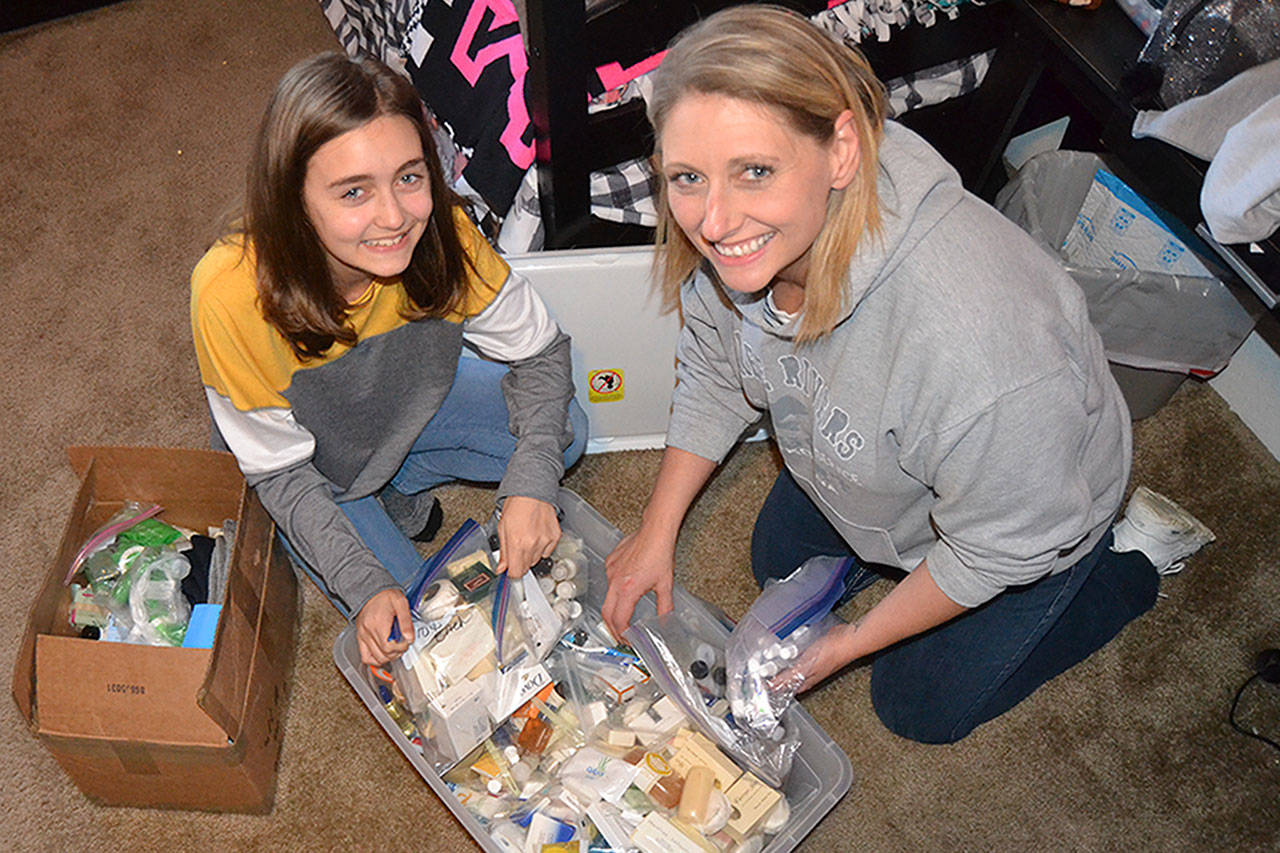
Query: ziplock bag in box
[
  {"x": 686, "y": 657},
  {"x": 788, "y": 617},
  {"x": 470, "y": 663}
]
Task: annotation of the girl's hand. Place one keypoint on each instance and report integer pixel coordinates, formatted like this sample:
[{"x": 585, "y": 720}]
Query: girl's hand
[
  {"x": 373, "y": 627},
  {"x": 528, "y": 531},
  {"x": 643, "y": 561}
]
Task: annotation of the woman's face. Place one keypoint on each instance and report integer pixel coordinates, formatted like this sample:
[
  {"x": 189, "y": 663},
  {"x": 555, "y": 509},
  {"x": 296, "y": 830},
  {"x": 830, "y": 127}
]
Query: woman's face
[
  {"x": 748, "y": 191},
  {"x": 368, "y": 197}
]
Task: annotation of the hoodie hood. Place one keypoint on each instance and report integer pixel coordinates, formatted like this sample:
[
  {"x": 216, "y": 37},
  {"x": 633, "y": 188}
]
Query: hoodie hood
[{"x": 915, "y": 189}]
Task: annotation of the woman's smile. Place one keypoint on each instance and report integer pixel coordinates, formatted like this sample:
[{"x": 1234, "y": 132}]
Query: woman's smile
[{"x": 748, "y": 191}]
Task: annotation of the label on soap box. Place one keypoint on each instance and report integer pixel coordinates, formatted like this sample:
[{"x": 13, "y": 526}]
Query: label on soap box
[{"x": 516, "y": 687}]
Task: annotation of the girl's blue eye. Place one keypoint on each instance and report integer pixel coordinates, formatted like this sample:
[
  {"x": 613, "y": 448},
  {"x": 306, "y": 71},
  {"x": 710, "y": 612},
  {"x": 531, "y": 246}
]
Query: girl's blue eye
[
  {"x": 410, "y": 179},
  {"x": 352, "y": 193},
  {"x": 683, "y": 179},
  {"x": 755, "y": 173}
]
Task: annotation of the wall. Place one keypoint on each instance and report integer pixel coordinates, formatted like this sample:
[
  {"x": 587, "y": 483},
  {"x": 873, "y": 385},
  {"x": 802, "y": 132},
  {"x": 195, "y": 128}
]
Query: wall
[{"x": 1251, "y": 387}]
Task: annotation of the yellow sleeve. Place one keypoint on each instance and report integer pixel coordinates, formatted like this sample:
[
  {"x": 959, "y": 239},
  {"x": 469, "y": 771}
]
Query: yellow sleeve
[
  {"x": 490, "y": 273},
  {"x": 240, "y": 355}
]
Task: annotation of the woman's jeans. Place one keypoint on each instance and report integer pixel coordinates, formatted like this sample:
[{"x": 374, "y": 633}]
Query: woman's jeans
[
  {"x": 466, "y": 439},
  {"x": 938, "y": 686}
]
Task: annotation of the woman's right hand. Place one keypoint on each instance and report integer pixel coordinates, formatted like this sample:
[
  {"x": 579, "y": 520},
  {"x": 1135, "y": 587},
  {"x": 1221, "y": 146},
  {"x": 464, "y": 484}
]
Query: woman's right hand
[{"x": 643, "y": 561}]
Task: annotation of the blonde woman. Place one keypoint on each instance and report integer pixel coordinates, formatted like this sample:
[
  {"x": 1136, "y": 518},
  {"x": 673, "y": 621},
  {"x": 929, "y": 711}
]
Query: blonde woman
[{"x": 942, "y": 405}]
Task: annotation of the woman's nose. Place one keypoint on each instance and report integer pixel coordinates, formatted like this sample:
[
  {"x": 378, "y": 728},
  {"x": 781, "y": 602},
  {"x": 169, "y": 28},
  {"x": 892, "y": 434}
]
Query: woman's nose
[{"x": 720, "y": 216}]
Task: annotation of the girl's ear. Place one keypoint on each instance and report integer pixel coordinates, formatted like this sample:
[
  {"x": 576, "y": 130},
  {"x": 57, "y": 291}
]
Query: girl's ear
[{"x": 846, "y": 153}]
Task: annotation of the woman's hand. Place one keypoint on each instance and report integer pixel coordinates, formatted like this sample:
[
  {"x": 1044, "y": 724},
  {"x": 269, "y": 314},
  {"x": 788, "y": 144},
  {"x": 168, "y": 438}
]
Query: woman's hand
[
  {"x": 829, "y": 654},
  {"x": 527, "y": 532},
  {"x": 373, "y": 627},
  {"x": 643, "y": 561}
]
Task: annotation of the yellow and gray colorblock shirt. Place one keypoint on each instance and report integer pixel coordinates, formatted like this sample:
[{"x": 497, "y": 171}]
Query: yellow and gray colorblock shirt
[{"x": 310, "y": 433}]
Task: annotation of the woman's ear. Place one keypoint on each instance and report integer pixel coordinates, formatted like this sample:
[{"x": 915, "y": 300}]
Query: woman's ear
[{"x": 846, "y": 152}]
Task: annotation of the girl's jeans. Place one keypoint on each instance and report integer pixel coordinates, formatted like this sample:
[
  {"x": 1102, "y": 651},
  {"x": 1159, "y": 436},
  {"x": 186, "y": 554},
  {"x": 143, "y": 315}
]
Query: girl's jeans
[
  {"x": 466, "y": 439},
  {"x": 938, "y": 686}
]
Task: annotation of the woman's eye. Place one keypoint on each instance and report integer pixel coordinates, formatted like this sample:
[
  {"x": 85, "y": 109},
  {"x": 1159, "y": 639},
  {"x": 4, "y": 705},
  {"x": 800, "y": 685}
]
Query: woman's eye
[
  {"x": 683, "y": 179},
  {"x": 410, "y": 179},
  {"x": 756, "y": 173},
  {"x": 352, "y": 194}
]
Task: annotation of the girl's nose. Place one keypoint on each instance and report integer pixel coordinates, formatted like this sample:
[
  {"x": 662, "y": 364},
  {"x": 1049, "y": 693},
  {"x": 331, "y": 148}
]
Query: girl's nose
[{"x": 390, "y": 213}]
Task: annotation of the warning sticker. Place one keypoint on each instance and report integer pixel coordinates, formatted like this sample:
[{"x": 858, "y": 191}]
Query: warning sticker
[{"x": 604, "y": 386}]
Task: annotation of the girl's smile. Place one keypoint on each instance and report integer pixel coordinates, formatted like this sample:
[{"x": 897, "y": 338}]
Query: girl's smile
[{"x": 368, "y": 198}]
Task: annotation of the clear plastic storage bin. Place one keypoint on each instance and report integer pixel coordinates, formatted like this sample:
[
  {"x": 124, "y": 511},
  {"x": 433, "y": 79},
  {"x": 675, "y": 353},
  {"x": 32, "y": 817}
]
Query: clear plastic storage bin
[{"x": 821, "y": 773}]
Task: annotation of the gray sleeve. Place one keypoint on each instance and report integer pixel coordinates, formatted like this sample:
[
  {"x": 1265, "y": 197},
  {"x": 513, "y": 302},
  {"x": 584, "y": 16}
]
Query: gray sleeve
[
  {"x": 1013, "y": 490},
  {"x": 538, "y": 390},
  {"x": 300, "y": 499},
  {"x": 709, "y": 411}
]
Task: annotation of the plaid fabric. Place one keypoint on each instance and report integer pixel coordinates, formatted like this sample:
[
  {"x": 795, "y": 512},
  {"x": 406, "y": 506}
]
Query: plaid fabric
[
  {"x": 937, "y": 84},
  {"x": 625, "y": 193},
  {"x": 855, "y": 20}
]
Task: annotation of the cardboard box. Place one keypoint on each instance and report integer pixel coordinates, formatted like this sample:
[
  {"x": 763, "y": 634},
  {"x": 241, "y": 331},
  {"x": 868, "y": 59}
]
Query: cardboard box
[{"x": 172, "y": 727}]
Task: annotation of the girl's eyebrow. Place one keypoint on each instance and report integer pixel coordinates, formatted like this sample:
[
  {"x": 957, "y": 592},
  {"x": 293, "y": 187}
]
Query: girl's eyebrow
[{"x": 359, "y": 179}]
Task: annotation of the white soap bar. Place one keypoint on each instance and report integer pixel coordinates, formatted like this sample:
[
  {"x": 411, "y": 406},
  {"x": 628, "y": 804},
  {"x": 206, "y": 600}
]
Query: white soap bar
[
  {"x": 657, "y": 834},
  {"x": 461, "y": 644}
]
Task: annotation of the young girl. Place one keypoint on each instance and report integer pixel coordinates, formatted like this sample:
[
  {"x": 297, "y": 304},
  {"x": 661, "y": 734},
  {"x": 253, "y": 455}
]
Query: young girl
[
  {"x": 329, "y": 330},
  {"x": 942, "y": 405}
]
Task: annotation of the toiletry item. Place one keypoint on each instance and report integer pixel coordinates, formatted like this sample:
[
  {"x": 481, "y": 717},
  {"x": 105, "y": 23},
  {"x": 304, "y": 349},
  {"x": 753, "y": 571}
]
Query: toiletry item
[{"x": 694, "y": 800}]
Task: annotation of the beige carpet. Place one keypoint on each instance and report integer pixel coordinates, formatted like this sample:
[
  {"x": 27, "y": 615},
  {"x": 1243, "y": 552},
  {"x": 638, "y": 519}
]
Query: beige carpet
[{"x": 123, "y": 134}]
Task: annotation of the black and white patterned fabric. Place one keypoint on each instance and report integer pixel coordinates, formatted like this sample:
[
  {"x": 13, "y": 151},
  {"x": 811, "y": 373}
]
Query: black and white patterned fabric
[
  {"x": 371, "y": 27},
  {"x": 393, "y": 31}
]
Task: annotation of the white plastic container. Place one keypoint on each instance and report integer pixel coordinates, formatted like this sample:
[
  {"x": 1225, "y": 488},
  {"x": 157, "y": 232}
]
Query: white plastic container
[{"x": 604, "y": 300}]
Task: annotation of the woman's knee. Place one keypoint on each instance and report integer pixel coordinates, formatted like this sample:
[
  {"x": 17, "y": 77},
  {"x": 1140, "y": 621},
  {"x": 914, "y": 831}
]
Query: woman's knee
[{"x": 908, "y": 712}]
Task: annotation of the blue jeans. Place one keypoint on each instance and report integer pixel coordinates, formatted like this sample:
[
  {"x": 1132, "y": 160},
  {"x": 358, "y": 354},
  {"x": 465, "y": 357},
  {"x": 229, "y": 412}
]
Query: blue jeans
[
  {"x": 938, "y": 686},
  {"x": 466, "y": 439}
]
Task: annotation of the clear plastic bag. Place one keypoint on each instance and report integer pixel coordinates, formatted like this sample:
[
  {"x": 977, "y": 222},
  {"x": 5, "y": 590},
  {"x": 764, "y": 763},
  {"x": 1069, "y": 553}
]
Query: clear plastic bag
[
  {"x": 132, "y": 513},
  {"x": 471, "y": 663},
  {"x": 786, "y": 618},
  {"x": 157, "y": 608},
  {"x": 671, "y": 645}
]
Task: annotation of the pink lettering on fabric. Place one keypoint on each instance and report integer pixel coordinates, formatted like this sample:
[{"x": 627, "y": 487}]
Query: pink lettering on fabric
[
  {"x": 511, "y": 49},
  {"x": 613, "y": 75}
]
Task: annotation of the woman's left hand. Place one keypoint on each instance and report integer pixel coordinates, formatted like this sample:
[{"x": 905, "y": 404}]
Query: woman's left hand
[
  {"x": 829, "y": 654},
  {"x": 528, "y": 531}
]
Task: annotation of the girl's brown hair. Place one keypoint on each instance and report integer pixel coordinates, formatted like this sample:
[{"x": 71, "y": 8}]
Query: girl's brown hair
[
  {"x": 771, "y": 56},
  {"x": 317, "y": 100}
]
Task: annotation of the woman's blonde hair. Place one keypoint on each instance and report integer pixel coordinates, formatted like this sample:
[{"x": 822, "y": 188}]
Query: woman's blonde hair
[
  {"x": 317, "y": 100},
  {"x": 771, "y": 56}
]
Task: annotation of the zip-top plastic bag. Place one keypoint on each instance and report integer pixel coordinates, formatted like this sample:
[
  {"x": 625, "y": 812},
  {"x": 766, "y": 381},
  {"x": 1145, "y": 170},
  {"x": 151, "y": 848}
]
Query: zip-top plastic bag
[
  {"x": 157, "y": 608},
  {"x": 450, "y": 676},
  {"x": 788, "y": 617},
  {"x": 687, "y": 663},
  {"x": 479, "y": 641}
]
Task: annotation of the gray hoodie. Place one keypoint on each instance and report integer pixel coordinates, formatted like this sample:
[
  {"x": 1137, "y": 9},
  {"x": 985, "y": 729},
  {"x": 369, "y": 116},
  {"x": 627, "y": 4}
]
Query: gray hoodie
[{"x": 962, "y": 411}]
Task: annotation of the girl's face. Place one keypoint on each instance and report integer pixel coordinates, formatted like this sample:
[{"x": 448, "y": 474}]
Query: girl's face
[
  {"x": 748, "y": 191},
  {"x": 367, "y": 195}
]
